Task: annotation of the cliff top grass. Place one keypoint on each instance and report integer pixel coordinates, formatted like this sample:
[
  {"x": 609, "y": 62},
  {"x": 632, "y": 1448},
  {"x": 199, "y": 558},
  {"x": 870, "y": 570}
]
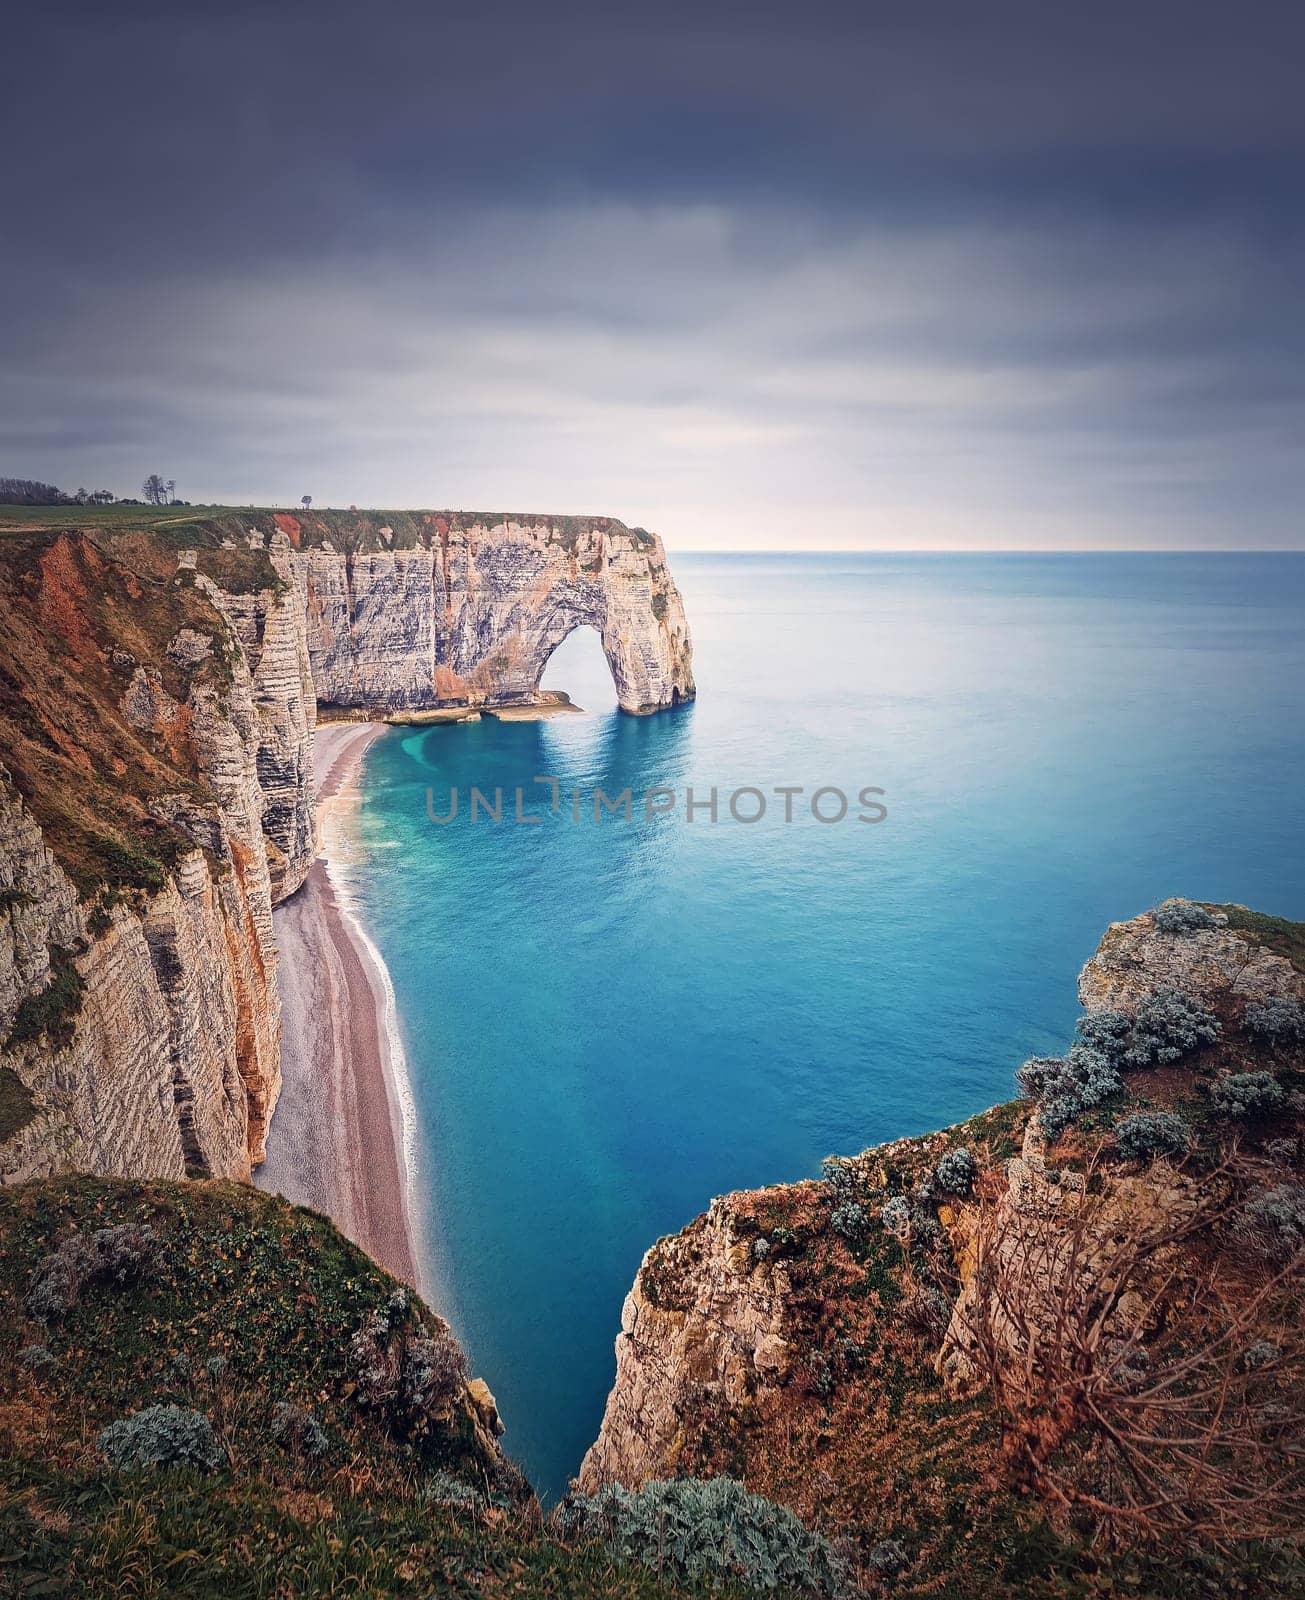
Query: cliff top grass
[
  {"x": 349, "y": 530},
  {"x": 1277, "y": 934},
  {"x": 242, "y": 1303}
]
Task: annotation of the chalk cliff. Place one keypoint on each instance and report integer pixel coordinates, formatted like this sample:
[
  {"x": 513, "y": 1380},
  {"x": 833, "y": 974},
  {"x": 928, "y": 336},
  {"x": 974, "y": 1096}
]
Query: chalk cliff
[
  {"x": 159, "y": 687},
  {"x": 469, "y": 611}
]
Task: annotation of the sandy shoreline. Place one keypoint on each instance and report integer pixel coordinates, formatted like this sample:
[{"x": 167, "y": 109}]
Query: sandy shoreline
[{"x": 337, "y": 1140}]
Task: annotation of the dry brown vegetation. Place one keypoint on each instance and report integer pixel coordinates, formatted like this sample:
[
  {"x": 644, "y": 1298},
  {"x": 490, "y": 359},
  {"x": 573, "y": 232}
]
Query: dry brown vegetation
[{"x": 1147, "y": 1367}]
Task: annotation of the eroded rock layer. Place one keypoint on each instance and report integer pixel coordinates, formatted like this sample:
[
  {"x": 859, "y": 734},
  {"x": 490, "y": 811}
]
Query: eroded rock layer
[{"x": 157, "y": 735}]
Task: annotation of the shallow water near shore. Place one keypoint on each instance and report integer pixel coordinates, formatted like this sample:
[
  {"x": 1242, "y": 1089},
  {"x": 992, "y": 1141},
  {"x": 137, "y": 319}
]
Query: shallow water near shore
[{"x": 608, "y": 1023}]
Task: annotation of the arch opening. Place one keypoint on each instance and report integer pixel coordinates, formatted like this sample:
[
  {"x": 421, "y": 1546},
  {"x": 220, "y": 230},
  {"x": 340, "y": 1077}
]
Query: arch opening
[{"x": 579, "y": 667}]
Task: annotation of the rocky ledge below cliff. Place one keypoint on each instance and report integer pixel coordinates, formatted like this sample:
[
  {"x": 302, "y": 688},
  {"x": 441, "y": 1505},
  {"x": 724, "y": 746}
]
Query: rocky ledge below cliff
[{"x": 983, "y": 1355}]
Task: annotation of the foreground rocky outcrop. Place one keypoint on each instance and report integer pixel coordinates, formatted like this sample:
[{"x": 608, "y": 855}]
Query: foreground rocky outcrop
[
  {"x": 859, "y": 1348},
  {"x": 205, "y": 1390}
]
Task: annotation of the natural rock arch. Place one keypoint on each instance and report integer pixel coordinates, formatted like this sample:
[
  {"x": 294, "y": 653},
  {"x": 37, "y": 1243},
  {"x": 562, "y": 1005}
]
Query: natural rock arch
[{"x": 470, "y": 614}]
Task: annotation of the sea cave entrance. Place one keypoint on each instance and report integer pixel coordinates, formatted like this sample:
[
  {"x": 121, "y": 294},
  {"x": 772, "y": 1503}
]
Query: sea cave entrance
[{"x": 578, "y": 665}]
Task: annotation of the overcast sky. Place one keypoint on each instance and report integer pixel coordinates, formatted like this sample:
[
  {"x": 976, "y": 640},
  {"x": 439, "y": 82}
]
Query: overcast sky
[{"x": 798, "y": 275}]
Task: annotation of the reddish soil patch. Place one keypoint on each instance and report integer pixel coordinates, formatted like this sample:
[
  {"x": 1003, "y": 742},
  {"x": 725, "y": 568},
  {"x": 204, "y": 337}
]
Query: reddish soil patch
[{"x": 288, "y": 526}]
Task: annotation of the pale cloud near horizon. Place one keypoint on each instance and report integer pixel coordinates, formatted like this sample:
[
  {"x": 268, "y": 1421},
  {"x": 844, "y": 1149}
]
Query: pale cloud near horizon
[{"x": 733, "y": 364}]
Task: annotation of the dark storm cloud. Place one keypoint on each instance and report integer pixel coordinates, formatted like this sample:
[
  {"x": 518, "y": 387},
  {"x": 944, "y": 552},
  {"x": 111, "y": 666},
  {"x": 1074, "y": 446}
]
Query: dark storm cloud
[{"x": 940, "y": 274}]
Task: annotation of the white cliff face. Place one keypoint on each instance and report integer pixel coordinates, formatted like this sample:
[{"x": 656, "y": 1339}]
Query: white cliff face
[
  {"x": 172, "y": 1064},
  {"x": 272, "y": 633},
  {"x": 704, "y": 1321},
  {"x": 471, "y": 616}
]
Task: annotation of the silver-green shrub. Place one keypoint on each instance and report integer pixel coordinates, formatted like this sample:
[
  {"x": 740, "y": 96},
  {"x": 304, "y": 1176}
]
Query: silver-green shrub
[
  {"x": 710, "y": 1531},
  {"x": 1278, "y": 1021},
  {"x": 839, "y": 1173},
  {"x": 1274, "y": 1221},
  {"x": 1146, "y": 1134},
  {"x": 1067, "y": 1086},
  {"x": 161, "y": 1436},
  {"x": 1259, "y": 1353},
  {"x": 1243, "y": 1095},
  {"x": 848, "y": 1219},
  {"x": 956, "y": 1172},
  {"x": 298, "y": 1431},
  {"x": 108, "y": 1256},
  {"x": 1167, "y": 1025},
  {"x": 1183, "y": 917}
]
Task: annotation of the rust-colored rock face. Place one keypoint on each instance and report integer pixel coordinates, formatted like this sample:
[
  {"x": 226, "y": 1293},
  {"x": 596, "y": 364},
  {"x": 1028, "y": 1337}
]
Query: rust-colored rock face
[
  {"x": 705, "y": 1318},
  {"x": 1210, "y": 964}
]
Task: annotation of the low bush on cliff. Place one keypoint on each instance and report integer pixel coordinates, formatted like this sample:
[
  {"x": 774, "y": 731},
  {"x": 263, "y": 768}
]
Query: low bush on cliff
[
  {"x": 1067, "y": 1086},
  {"x": 52, "y": 1012},
  {"x": 1183, "y": 917},
  {"x": 17, "y": 1106},
  {"x": 161, "y": 1436},
  {"x": 108, "y": 1256},
  {"x": 1146, "y": 1134},
  {"x": 1244, "y": 1096},
  {"x": 1166, "y": 1026},
  {"x": 713, "y": 1530},
  {"x": 1279, "y": 1022},
  {"x": 1273, "y": 1222},
  {"x": 956, "y": 1172},
  {"x": 848, "y": 1219}
]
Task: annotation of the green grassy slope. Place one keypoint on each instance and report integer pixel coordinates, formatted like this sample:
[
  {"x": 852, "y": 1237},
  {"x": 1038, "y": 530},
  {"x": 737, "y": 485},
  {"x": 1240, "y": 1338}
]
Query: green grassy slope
[{"x": 247, "y": 1302}]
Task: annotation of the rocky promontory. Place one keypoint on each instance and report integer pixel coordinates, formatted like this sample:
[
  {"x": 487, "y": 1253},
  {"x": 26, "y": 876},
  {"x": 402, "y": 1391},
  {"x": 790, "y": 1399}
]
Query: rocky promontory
[{"x": 1024, "y": 1351}]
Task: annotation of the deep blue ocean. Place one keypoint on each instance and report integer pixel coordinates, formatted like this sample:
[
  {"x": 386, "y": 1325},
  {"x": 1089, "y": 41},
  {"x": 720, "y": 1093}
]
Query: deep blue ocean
[{"x": 607, "y": 1024}]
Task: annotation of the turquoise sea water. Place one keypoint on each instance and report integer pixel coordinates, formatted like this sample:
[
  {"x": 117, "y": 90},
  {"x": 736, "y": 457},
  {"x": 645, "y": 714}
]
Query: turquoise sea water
[{"x": 608, "y": 1024}]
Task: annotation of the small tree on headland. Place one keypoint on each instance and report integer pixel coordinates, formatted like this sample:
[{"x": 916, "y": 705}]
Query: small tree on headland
[
  {"x": 170, "y": 492},
  {"x": 306, "y": 501},
  {"x": 155, "y": 490}
]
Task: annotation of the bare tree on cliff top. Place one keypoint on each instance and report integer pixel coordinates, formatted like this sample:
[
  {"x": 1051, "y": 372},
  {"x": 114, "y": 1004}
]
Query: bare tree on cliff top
[
  {"x": 1148, "y": 1370},
  {"x": 155, "y": 490}
]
